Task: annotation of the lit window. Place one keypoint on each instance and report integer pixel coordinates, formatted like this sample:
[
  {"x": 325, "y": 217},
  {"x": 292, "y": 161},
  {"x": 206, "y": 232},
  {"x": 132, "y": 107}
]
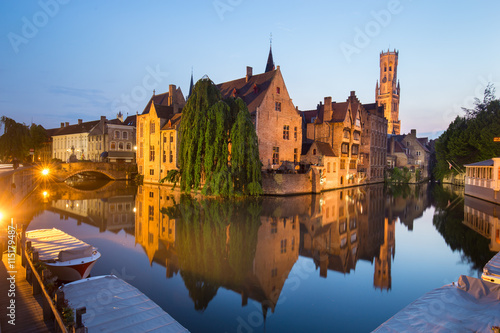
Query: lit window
[
  {"x": 278, "y": 90},
  {"x": 276, "y": 155}
]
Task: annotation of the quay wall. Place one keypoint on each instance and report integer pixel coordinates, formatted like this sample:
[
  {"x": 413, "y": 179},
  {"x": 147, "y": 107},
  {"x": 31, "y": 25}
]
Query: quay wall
[{"x": 15, "y": 185}]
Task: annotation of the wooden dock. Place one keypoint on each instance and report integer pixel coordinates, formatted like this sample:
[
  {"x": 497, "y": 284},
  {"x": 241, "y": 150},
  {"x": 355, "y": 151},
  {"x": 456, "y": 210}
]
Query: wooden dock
[{"x": 28, "y": 308}]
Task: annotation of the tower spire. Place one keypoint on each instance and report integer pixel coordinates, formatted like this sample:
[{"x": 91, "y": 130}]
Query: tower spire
[
  {"x": 270, "y": 61},
  {"x": 191, "y": 84}
]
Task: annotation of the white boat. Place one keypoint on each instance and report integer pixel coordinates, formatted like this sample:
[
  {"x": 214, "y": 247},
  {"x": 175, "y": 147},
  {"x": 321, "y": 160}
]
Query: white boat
[
  {"x": 470, "y": 305},
  {"x": 491, "y": 271},
  {"x": 113, "y": 305},
  {"x": 67, "y": 257}
]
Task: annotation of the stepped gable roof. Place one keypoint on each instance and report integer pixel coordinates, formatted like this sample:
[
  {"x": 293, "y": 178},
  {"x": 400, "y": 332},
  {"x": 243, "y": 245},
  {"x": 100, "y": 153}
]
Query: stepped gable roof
[
  {"x": 251, "y": 92},
  {"x": 77, "y": 128}
]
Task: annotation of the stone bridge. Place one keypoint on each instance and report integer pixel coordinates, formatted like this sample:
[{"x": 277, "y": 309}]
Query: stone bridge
[{"x": 114, "y": 171}]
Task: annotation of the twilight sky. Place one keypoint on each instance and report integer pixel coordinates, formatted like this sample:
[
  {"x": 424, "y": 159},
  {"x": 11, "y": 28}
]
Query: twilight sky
[{"x": 62, "y": 60}]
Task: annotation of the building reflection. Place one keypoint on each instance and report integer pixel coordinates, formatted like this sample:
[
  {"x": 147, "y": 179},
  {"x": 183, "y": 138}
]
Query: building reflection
[
  {"x": 482, "y": 217},
  {"x": 247, "y": 247},
  {"x": 110, "y": 208}
]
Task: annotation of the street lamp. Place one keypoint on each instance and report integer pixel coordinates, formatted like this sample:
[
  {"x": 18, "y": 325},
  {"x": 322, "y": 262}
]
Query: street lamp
[{"x": 45, "y": 172}]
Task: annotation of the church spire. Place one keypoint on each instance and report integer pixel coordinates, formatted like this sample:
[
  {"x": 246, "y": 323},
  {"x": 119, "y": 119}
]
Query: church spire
[
  {"x": 270, "y": 62},
  {"x": 191, "y": 84}
]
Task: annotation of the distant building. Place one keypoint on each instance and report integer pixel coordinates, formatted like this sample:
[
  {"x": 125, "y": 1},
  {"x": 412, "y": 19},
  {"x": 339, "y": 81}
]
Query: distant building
[
  {"x": 72, "y": 140},
  {"x": 372, "y": 158},
  {"x": 409, "y": 151},
  {"x": 387, "y": 94},
  {"x": 157, "y": 134},
  {"x": 113, "y": 140}
]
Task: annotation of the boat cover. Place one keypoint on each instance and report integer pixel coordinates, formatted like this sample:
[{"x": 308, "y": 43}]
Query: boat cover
[
  {"x": 471, "y": 305},
  {"x": 113, "y": 305},
  {"x": 54, "y": 244},
  {"x": 492, "y": 268}
]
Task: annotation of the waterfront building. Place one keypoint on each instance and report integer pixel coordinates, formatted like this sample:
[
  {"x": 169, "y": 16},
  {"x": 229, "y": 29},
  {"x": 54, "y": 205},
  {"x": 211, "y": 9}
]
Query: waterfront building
[
  {"x": 113, "y": 140},
  {"x": 407, "y": 150},
  {"x": 339, "y": 126},
  {"x": 157, "y": 137},
  {"x": 372, "y": 157},
  {"x": 277, "y": 121},
  {"x": 481, "y": 216},
  {"x": 482, "y": 180},
  {"x": 388, "y": 92},
  {"x": 72, "y": 140}
]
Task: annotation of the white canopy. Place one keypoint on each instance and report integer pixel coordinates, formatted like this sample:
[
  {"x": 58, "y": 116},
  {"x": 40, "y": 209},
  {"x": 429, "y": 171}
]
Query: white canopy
[
  {"x": 54, "y": 244},
  {"x": 113, "y": 305},
  {"x": 471, "y": 305}
]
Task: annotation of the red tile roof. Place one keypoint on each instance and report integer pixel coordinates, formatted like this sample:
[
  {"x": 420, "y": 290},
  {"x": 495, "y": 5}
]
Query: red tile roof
[{"x": 251, "y": 92}]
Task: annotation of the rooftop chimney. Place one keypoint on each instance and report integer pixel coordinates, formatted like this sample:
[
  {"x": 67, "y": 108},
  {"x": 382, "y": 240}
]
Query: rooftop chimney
[
  {"x": 414, "y": 132},
  {"x": 103, "y": 118},
  {"x": 62, "y": 125},
  {"x": 327, "y": 114},
  {"x": 66, "y": 124},
  {"x": 249, "y": 73},
  {"x": 80, "y": 121},
  {"x": 171, "y": 94}
]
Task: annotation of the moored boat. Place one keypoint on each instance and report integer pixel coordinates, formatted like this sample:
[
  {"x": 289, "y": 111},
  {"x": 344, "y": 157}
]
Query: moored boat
[
  {"x": 113, "y": 305},
  {"x": 66, "y": 256},
  {"x": 491, "y": 271}
]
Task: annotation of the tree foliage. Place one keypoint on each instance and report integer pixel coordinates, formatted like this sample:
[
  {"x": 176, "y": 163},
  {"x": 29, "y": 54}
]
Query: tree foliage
[
  {"x": 209, "y": 130},
  {"x": 469, "y": 139}
]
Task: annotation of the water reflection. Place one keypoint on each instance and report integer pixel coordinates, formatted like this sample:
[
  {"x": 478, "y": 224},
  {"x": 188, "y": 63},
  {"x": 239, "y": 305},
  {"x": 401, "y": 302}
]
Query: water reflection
[{"x": 201, "y": 250}]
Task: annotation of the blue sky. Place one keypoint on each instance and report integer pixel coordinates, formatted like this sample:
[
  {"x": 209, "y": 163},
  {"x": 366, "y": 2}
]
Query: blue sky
[{"x": 65, "y": 59}]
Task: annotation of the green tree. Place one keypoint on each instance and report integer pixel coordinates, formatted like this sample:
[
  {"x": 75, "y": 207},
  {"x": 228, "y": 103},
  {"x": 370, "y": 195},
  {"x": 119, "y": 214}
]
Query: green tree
[
  {"x": 469, "y": 139},
  {"x": 14, "y": 143},
  {"x": 245, "y": 161},
  {"x": 208, "y": 128}
]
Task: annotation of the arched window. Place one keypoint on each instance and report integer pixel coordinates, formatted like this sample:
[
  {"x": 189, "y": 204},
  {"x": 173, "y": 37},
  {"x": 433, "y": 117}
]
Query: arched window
[
  {"x": 125, "y": 135},
  {"x": 120, "y": 145},
  {"x": 117, "y": 134},
  {"x": 129, "y": 146},
  {"x": 113, "y": 145}
]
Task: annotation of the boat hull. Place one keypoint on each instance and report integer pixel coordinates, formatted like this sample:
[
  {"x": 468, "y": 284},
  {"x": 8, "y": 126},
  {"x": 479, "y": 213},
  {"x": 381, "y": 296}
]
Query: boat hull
[{"x": 73, "y": 270}]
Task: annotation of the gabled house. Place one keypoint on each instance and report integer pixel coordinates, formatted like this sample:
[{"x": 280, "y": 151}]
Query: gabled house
[
  {"x": 338, "y": 125},
  {"x": 277, "y": 121},
  {"x": 154, "y": 145},
  {"x": 407, "y": 150}
]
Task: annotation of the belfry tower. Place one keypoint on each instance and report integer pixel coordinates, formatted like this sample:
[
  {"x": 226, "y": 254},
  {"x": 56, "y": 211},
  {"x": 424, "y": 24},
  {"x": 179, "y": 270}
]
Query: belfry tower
[{"x": 387, "y": 94}]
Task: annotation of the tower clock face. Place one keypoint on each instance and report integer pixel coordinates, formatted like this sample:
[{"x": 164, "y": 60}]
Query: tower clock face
[{"x": 384, "y": 80}]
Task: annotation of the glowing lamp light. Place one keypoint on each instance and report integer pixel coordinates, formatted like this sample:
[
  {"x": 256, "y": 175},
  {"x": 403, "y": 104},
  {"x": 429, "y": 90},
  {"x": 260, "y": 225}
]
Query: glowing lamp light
[
  {"x": 1, "y": 216},
  {"x": 45, "y": 194},
  {"x": 45, "y": 172},
  {"x": 134, "y": 210}
]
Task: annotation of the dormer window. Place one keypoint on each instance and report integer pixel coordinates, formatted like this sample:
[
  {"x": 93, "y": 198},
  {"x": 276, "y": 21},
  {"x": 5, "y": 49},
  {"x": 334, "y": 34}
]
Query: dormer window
[
  {"x": 234, "y": 93},
  {"x": 255, "y": 88}
]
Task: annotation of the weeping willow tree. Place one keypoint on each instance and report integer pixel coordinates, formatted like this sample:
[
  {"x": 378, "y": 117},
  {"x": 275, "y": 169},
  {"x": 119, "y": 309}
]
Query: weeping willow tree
[
  {"x": 209, "y": 127},
  {"x": 245, "y": 161}
]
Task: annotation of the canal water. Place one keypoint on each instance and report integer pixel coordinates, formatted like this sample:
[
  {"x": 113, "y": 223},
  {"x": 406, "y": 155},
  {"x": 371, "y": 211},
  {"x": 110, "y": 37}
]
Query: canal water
[{"x": 343, "y": 261}]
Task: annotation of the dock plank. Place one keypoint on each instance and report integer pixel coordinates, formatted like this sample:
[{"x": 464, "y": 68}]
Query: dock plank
[{"x": 29, "y": 313}]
